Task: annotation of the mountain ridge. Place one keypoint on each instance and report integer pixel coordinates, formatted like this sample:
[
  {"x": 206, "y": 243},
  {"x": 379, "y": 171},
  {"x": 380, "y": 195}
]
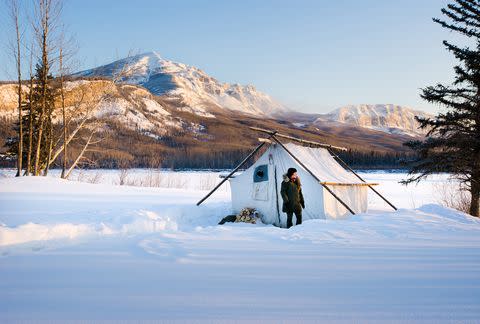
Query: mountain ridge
[
  {"x": 196, "y": 91},
  {"x": 388, "y": 118},
  {"x": 192, "y": 90}
]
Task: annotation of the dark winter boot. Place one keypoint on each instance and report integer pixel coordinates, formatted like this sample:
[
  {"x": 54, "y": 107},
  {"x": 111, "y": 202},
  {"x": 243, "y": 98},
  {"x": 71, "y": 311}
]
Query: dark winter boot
[{"x": 289, "y": 219}]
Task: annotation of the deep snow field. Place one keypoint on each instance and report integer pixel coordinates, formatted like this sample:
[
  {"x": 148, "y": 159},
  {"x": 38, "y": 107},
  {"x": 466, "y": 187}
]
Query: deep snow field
[{"x": 74, "y": 250}]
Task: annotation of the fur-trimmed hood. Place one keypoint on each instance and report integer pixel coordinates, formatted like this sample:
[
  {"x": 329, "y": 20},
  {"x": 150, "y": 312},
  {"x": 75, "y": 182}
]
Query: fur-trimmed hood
[{"x": 287, "y": 179}]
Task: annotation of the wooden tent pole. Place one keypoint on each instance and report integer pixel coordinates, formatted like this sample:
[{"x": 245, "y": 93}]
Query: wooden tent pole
[
  {"x": 276, "y": 196},
  {"x": 234, "y": 170},
  {"x": 298, "y": 139},
  {"x": 345, "y": 165},
  {"x": 313, "y": 175}
]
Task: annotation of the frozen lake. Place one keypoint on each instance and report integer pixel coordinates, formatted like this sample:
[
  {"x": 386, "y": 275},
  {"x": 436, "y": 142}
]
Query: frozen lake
[{"x": 411, "y": 196}]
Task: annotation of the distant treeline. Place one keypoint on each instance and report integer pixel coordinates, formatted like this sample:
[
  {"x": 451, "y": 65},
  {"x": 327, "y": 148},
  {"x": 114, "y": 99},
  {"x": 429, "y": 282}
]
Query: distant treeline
[
  {"x": 124, "y": 148},
  {"x": 152, "y": 156},
  {"x": 375, "y": 160},
  {"x": 199, "y": 159}
]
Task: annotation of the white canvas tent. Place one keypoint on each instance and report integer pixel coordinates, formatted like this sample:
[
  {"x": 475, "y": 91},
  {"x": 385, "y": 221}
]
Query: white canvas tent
[
  {"x": 259, "y": 186},
  {"x": 330, "y": 191}
]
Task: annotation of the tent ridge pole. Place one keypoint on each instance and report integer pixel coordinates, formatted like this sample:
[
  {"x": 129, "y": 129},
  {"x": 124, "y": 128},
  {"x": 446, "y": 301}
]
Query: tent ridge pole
[
  {"x": 359, "y": 177},
  {"x": 313, "y": 175},
  {"x": 311, "y": 143}
]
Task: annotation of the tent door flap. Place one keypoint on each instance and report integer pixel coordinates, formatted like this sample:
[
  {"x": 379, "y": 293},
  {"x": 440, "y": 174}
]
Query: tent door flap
[{"x": 260, "y": 191}]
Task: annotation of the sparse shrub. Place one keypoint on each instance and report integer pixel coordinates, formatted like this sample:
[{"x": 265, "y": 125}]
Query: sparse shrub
[
  {"x": 453, "y": 195},
  {"x": 81, "y": 175},
  {"x": 96, "y": 178},
  {"x": 122, "y": 176}
]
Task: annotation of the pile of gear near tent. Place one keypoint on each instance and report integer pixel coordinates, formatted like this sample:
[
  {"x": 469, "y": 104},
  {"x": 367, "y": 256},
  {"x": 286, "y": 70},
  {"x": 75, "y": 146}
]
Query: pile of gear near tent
[{"x": 330, "y": 189}]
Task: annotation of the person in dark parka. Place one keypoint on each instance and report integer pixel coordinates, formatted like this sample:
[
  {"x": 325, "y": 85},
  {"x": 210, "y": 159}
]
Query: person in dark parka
[{"x": 292, "y": 197}]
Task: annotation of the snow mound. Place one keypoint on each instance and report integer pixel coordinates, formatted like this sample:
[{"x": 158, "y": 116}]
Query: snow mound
[
  {"x": 99, "y": 210},
  {"x": 83, "y": 210}
]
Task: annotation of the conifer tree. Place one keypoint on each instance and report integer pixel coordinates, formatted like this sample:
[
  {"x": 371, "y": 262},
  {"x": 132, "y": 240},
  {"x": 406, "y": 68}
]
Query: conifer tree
[
  {"x": 43, "y": 97},
  {"x": 453, "y": 139},
  {"x": 15, "y": 15}
]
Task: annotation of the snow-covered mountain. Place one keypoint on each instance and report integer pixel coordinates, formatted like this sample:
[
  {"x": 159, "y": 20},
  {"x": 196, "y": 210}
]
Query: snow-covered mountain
[
  {"x": 388, "y": 118},
  {"x": 197, "y": 91}
]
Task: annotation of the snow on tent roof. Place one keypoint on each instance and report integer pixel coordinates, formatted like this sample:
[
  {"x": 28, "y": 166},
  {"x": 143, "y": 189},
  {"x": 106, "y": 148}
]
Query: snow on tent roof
[{"x": 322, "y": 164}]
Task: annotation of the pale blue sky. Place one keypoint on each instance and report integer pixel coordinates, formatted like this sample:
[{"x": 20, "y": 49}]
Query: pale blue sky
[{"x": 313, "y": 56}]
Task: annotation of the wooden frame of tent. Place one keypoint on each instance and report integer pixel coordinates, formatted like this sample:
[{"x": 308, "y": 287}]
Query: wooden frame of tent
[{"x": 273, "y": 135}]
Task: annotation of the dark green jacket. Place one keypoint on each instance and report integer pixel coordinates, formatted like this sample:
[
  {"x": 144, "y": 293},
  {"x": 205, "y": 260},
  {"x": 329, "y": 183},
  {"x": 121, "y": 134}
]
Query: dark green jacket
[{"x": 292, "y": 195}]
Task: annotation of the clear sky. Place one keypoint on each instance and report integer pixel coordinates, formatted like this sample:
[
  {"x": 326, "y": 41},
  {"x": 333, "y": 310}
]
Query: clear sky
[{"x": 313, "y": 56}]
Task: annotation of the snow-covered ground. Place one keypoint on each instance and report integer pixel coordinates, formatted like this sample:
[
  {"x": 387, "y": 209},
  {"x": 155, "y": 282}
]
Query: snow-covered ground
[{"x": 74, "y": 250}]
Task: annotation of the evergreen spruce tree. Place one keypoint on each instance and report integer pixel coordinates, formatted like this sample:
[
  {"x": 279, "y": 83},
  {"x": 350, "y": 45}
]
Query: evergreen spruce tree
[
  {"x": 43, "y": 97},
  {"x": 453, "y": 140},
  {"x": 32, "y": 115}
]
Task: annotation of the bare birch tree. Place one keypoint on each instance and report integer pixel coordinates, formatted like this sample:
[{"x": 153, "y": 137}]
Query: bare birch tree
[
  {"x": 14, "y": 9},
  {"x": 41, "y": 30},
  {"x": 28, "y": 169},
  {"x": 64, "y": 120},
  {"x": 94, "y": 127},
  {"x": 65, "y": 55},
  {"x": 47, "y": 13}
]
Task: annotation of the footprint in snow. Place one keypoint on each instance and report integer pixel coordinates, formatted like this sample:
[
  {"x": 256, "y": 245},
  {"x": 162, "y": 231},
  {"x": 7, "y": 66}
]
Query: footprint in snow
[{"x": 164, "y": 247}]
